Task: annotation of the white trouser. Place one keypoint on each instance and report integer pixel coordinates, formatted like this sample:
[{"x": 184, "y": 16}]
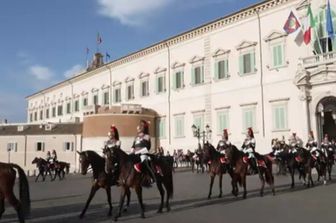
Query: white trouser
[
  {"x": 143, "y": 153},
  {"x": 313, "y": 150},
  {"x": 249, "y": 151},
  {"x": 222, "y": 151}
]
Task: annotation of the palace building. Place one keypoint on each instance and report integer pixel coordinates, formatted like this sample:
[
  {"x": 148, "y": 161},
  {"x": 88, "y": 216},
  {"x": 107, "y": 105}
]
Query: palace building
[{"x": 242, "y": 70}]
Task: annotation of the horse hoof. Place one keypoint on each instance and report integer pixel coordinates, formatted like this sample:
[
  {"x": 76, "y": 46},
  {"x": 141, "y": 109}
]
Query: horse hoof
[
  {"x": 209, "y": 197},
  {"x": 168, "y": 209},
  {"x": 125, "y": 210},
  {"x": 159, "y": 211},
  {"x": 325, "y": 182},
  {"x": 143, "y": 216},
  {"x": 81, "y": 216},
  {"x": 219, "y": 196}
]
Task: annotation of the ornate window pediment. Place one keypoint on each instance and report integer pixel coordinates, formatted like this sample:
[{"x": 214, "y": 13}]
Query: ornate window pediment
[
  {"x": 302, "y": 5},
  {"x": 177, "y": 65},
  {"x": 143, "y": 75},
  {"x": 220, "y": 52},
  {"x": 129, "y": 79},
  {"x": 196, "y": 59},
  {"x": 274, "y": 35},
  {"x": 105, "y": 86},
  {"x": 160, "y": 70},
  {"x": 246, "y": 44},
  {"x": 94, "y": 90},
  {"x": 116, "y": 83},
  {"x": 84, "y": 93}
]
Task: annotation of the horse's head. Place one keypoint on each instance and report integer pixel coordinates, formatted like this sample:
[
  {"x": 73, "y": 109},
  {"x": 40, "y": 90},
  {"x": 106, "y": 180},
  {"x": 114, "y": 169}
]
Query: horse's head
[
  {"x": 208, "y": 152},
  {"x": 111, "y": 158},
  {"x": 84, "y": 162},
  {"x": 231, "y": 153},
  {"x": 35, "y": 160}
]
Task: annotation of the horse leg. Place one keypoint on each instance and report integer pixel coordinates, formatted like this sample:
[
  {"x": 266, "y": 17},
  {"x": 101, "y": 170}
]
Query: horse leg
[
  {"x": 108, "y": 194},
  {"x": 2, "y": 205},
  {"x": 17, "y": 205},
  {"x": 38, "y": 175},
  {"x": 220, "y": 185},
  {"x": 291, "y": 170},
  {"x": 162, "y": 193},
  {"x": 94, "y": 189},
  {"x": 121, "y": 201},
  {"x": 262, "y": 179},
  {"x": 212, "y": 178},
  {"x": 243, "y": 179},
  {"x": 234, "y": 185},
  {"x": 128, "y": 194},
  {"x": 138, "y": 190}
]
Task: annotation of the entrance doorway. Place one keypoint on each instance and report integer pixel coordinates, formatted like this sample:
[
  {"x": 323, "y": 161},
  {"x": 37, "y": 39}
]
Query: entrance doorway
[{"x": 326, "y": 117}]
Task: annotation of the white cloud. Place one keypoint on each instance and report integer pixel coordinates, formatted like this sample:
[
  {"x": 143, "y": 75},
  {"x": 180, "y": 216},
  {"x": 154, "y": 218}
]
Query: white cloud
[
  {"x": 131, "y": 12},
  {"x": 41, "y": 73},
  {"x": 73, "y": 71}
]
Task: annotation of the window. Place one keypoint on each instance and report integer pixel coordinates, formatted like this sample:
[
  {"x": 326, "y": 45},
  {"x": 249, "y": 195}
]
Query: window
[
  {"x": 179, "y": 126},
  {"x": 68, "y": 108},
  {"x": 59, "y": 110},
  {"x": 76, "y": 105},
  {"x": 47, "y": 113},
  {"x": 199, "y": 121},
  {"x": 161, "y": 127},
  {"x": 278, "y": 55},
  {"x": 197, "y": 75},
  {"x": 35, "y": 116},
  {"x": 178, "y": 80},
  {"x": 106, "y": 97},
  {"x": 12, "y": 147},
  {"x": 279, "y": 116},
  {"x": 160, "y": 84},
  {"x": 130, "y": 92},
  {"x": 144, "y": 88},
  {"x": 31, "y": 117},
  {"x": 117, "y": 95},
  {"x": 68, "y": 146},
  {"x": 249, "y": 118},
  {"x": 85, "y": 102},
  {"x": 54, "y": 112},
  {"x": 222, "y": 121},
  {"x": 40, "y": 146},
  {"x": 221, "y": 69},
  {"x": 324, "y": 43},
  {"x": 41, "y": 115},
  {"x": 247, "y": 63},
  {"x": 95, "y": 99}
]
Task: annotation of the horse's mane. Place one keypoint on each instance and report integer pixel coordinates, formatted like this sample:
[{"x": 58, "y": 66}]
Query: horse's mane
[{"x": 213, "y": 152}]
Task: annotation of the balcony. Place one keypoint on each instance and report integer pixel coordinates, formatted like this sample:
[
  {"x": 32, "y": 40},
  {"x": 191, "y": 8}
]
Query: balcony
[
  {"x": 319, "y": 60},
  {"x": 90, "y": 109},
  {"x": 131, "y": 108}
]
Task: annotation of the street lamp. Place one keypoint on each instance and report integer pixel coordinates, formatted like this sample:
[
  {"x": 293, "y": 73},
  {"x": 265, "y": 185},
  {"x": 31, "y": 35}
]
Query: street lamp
[{"x": 205, "y": 134}]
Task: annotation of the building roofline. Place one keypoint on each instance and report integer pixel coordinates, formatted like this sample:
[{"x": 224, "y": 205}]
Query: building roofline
[{"x": 181, "y": 37}]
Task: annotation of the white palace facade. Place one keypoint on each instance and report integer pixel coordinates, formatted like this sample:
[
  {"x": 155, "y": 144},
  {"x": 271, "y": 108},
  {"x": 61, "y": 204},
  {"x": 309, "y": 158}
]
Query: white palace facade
[{"x": 239, "y": 71}]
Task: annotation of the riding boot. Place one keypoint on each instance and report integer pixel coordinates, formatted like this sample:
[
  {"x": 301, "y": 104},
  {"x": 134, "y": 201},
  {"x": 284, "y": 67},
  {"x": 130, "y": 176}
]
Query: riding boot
[
  {"x": 254, "y": 165},
  {"x": 150, "y": 170}
]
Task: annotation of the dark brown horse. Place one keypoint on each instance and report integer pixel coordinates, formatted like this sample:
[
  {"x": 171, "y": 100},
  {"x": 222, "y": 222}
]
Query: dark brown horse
[
  {"x": 235, "y": 159},
  {"x": 100, "y": 178},
  {"x": 130, "y": 178},
  {"x": 217, "y": 166},
  {"x": 61, "y": 168},
  {"x": 43, "y": 168},
  {"x": 330, "y": 160},
  {"x": 7, "y": 181}
]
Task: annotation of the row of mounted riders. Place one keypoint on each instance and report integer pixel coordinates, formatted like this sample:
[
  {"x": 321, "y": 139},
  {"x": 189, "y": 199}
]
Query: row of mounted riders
[{"x": 51, "y": 167}]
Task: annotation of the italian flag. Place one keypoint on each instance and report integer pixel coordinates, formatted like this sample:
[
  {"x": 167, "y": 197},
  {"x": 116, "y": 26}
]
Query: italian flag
[{"x": 308, "y": 26}]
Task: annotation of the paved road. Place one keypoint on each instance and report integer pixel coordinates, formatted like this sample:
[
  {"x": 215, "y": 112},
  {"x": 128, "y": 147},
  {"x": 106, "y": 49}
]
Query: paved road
[{"x": 62, "y": 201}]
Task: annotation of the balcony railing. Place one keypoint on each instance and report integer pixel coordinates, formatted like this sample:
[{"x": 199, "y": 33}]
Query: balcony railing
[{"x": 317, "y": 60}]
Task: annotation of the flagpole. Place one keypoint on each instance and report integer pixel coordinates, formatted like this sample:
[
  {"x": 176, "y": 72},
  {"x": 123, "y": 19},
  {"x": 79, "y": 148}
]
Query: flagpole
[{"x": 316, "y": 33}]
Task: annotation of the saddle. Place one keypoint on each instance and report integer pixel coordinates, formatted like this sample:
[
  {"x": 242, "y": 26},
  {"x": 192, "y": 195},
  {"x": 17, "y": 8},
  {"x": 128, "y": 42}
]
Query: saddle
[
  {"x": 260, "y": 162},
  {"x": 139, "y": 167}
]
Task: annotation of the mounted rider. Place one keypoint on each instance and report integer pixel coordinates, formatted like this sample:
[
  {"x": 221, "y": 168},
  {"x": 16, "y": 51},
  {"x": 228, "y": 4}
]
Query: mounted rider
[
  {"x": 141, "y": 147},
  {"x": 295, "y": 142},
  {"x": 248, "y": 148},
  {"x": 112, "y": 142},
  {"x": 311, "y": 144},
  {"x": 224, "y": 142},
  {"x": 326, "y": 145}
]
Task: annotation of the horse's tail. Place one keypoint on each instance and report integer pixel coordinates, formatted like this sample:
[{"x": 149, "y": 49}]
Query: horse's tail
[{"x": 24, "y": 190}]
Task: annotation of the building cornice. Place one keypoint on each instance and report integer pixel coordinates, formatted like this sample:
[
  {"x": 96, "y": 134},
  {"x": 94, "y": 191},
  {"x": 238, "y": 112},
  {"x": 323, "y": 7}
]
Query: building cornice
[{"x": 182, "y": 37}]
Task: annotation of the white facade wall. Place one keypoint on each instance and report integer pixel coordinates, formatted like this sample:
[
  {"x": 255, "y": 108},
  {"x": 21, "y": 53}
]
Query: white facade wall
[{"x": 232, "y": 94}]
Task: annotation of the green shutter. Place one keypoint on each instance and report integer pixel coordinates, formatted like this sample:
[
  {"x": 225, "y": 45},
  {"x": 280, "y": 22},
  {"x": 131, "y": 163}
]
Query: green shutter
[
  {"x": 174, "y": 80},
  {"x": 216, "y": 69},
  {"x": 241, "y": 64},
  {"x": 202, "y": 74},
  {"x": 226, "y": 68},
  {"x": 280, "y": 54},
  {"x": 182, "y": 79},
  {"x": 192, "y": 76},
  {"x": 275, "y": 60},
  {"x": 253, "y": 62}
]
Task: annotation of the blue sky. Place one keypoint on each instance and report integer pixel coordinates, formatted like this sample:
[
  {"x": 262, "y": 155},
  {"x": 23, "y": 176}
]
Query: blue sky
[{"x": 42, "y": 42}]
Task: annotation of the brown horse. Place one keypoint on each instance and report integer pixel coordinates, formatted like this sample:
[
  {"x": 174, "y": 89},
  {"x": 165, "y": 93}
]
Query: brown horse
[
  {"x": 235, "y": 159},
  {"x": 101, "y": 178},
  {"x": 7, "y": 181},
  {"x": 43, "y": 168},
  {"x": 61, "y": 168},
  {"x": 130, "y": 178},
  {"x": 217, "y": 166}
]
